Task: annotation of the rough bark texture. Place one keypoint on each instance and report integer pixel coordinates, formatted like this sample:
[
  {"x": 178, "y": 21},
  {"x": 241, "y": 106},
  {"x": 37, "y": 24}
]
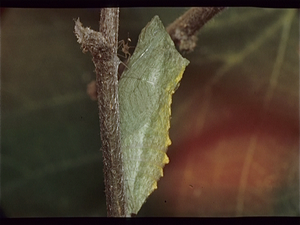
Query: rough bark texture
[
  {"x": 103, "y": 47},
  {"x": 108, "y": 103},
  {"x": 183, "y": 30}
]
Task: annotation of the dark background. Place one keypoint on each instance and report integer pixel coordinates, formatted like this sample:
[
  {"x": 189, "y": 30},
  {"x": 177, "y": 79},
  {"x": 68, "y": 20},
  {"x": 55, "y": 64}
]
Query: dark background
[{"x": 234, "y": 126}]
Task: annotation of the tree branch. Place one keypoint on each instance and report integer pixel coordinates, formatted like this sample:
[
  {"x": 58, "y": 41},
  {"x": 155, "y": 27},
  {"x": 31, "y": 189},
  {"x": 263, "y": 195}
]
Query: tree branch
[
  {"x": 108, "y": 103},
  {"x": 183, "y": 30},
  {"x": 103, "y": 47}
]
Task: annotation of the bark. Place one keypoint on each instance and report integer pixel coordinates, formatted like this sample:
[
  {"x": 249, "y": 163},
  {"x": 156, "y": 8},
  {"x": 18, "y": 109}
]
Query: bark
[
  {"x": 183, "y": 30},
  {"x": 103, "y": 47}
]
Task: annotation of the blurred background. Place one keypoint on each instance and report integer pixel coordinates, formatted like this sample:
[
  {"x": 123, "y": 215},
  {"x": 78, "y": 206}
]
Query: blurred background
[{"x": 234, "y": 125}]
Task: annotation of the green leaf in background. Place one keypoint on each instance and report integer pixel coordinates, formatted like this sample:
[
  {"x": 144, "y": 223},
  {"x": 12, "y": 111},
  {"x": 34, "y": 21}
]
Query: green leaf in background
[{"x": 145, "y": 92}]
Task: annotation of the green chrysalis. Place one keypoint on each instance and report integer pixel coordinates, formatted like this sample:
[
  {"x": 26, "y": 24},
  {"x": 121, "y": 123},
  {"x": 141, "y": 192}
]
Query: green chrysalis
[{"x": 145, "y": 94}]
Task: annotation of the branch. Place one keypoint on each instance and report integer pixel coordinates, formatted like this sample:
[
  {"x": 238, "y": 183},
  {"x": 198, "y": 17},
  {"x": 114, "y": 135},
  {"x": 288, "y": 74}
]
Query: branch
[
  {"x": 183, "y": 30},
  {"x": 103, "y": 47}
]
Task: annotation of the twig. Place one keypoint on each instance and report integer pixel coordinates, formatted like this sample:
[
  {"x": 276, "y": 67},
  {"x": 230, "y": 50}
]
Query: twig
[
  {"x": 103, "y": 47},
  {"x": 108, "y": 103},
  {"x": 183, "y": 30}
]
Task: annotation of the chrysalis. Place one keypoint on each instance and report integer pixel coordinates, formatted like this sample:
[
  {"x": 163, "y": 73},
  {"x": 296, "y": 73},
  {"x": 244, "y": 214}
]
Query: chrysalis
[{"x": 145, "y": 94}]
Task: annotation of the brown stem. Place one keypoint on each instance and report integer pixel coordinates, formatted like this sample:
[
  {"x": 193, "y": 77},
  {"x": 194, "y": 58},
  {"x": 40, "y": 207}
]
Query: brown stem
[
  {"x": 183, "y": 30},
  {"x": 108, "y": 104},
  {"x": 103, "y": 47}
]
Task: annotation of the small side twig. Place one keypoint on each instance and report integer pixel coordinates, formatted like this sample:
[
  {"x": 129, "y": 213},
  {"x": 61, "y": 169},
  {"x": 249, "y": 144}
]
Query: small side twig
[
  {"x": 103, "y": 47},
  {"x": 183, "y": 30}
]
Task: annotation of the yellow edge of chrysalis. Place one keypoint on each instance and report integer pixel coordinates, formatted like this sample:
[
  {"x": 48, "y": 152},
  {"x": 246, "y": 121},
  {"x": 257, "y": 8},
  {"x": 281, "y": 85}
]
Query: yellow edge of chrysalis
[
  {"x": 154, "y": 186},
  {"x": 166, "y": 159},
  {"x": 177, "y": 80},
  {"x": 179, "y": 77}
]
